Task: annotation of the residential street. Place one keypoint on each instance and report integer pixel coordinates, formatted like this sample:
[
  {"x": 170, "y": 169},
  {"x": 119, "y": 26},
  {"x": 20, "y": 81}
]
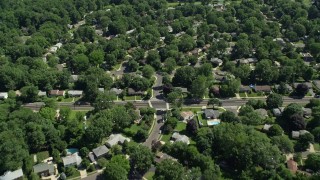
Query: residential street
[
  {"x": 155, "y": 134},
  {"x": 161, "y": 104}
]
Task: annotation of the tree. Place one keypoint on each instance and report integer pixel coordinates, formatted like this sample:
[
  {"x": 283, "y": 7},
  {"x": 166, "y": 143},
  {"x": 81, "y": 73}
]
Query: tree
[
  {"x": 274, "y": 101},
  {"x": 13, "y": 151},
  {"x": 302, "y": 89},
  {"x": 275, "y": 130},
  {"x": 133, "y": 65},
  {"x": 313, "y": 162},
  {"x": 213, "y": 102},
  {"x": 29, "y": 93},
  {"x": 147, "y": 71},
  {"x": 115, "y": 172},
  {"x": 229, "y": 88},
  {"x": 96, "y": 57},
  {"x": 228, "y": 116},
  {"x": 141, "y": 158},
  {"x": 198, "y": 87},
  {"x": 316, "y": 134},
  {"x": 184, "y": 76},
  {"x": 141, "y": 135},
  {"x": 291, "y": 109},
  {"x": 84, "y": 151},
  {"x": 266, "y": 72},
  {"x": 169, "y": 65},
  {"x": 104, "y": 100},
  {"x": 304, "y": 142},
  {"x": 121, "y": 160},
  {"x": 169, "y": 170},
  {"x": 102, "y": 162},
  {"x": 297, "y": 122},
  {"x": 80, "y": 62},
  {"x": 192, "y": 127},
  {"x": 284, "y": 144}
]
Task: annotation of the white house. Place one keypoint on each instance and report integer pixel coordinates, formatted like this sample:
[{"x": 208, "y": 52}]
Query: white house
[
  {"x": 71, "y": 160},
  {"x": 11, "y": 175},
  {"x": 3, "y": 95}
]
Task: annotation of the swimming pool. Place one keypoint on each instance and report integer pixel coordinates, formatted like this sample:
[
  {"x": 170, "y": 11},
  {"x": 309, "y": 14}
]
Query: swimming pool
[
  {"x": 72, "y": 151},
  {"x": 213, "y": 122}
]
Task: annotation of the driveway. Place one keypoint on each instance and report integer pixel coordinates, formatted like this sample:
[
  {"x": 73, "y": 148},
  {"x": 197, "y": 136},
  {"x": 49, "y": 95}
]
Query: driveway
[{"x": 157, "y": 87}]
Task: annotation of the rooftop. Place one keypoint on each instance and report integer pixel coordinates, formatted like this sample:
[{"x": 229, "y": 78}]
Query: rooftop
[
  {"x": 180, "y": 138},
  {"x": 72, "y": 159},
  {"x": 38, "y": 168},
  {"x": 10, "y": 175},
  {"x": 115, "y": 139},
  {"x": 100, "y": 151}
]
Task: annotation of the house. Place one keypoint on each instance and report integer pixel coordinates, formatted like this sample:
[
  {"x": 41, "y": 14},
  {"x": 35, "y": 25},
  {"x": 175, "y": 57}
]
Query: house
[
  {"x": 91, "y": 157},
  {"x": 280, "y": 41},
  {"x": 12, "y": 175},
  {"x": 265, "y": 89},
  {"x": 101, "y": 89},
  {"x": 292, "y": 165},
  {"x": 54, "y": 93},
  {"x": 215, "y": 90},
  {"x": 132, "y": 92},
  {"x": 209, "y": 114},
  {"x": 247, "y": 61},
  {"x": 244, "y": 89},
  {"x": 99, "y": 32},
  {"x": 186, "y": 115},
  {"x": 74, "y": 78},
  {"x": 307, "y": 57},
  {"x": 266, "y": 127},
  {"x": 297, "y": 134},
  {"x": 100, "y": 151},
  {"x": 116, "y": 139},
  {"x": 307, "y": 112},
  {"x": 42, "y": 93},
  {"x": 3, "y": 95},
  {"x": 262, "y": 112},
  {"x": 176, "y": 137},
  {"x": 75, "y": 93},
  {"x": 116, "y": 91},
  {"x": 277, "y": 112},
  {"x": 72, "y": 160},
  {"x": 44, "y": 169},
  {"x": 216, "y": 61}
]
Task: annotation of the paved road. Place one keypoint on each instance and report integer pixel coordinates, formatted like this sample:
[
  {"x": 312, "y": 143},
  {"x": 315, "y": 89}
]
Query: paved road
[
  {"x": 157, "y": 87},
  {"x": 155, "y": 134},
  {"x": 161, "y": 104}
]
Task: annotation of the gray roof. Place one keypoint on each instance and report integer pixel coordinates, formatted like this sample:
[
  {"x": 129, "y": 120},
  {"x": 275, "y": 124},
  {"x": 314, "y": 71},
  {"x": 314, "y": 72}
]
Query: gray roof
[
  {"x": 10, "y": 175},
  {"x": 276, "y": 112},
  {"x": 75, "y": 92},
  {"x": 266, "y": 127},
  {"x": 101, "y": 89},
  {"x": 100, "y": 151},
  {"x": 73, "y": 159},
  {"x": 209, "y": 113},
  {"x": 184, "y": 90},
  {"x": 117, "y": 91},
  {"x": 91, "y": 157},
  {"x": 262, "y": 112},
  {"x": 38, "y": 168},
  {"x": 307, "y": 111},
  {"x": 115, "y": 139},
  {"x": 42, "y": 93},
  {"x": 74, "y": 78},
  {"x": 180, "y": 138}
]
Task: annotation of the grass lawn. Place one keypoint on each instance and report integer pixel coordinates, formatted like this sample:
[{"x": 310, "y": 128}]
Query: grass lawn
[
  {"x": 42, "y": 156},
  {"x": 180, "y": 126},
  {"x": 70, "y": 99},
  {"x": 73, "y": 114},
  {"x": 77, "y": 174},
  {"x": 116, "y": 67},
  {"x": 242, "y": 94},
  {"x": 134, "y": 128},
  {"x": 138, "y": 98},
  {"x": 149, "y": 175},
  {"x": 166, "y": 137},
  {"x": 203, "y": 121},
  {"x": 129, "y": 98},
  {"x": 196, "y": 109},
  {"x": 173, "y": 4},
  {"x": 253, "y": 94}
]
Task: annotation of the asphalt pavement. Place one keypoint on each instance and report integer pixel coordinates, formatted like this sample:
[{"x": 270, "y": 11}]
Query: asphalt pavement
[{"x": 155, "y": 133}]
